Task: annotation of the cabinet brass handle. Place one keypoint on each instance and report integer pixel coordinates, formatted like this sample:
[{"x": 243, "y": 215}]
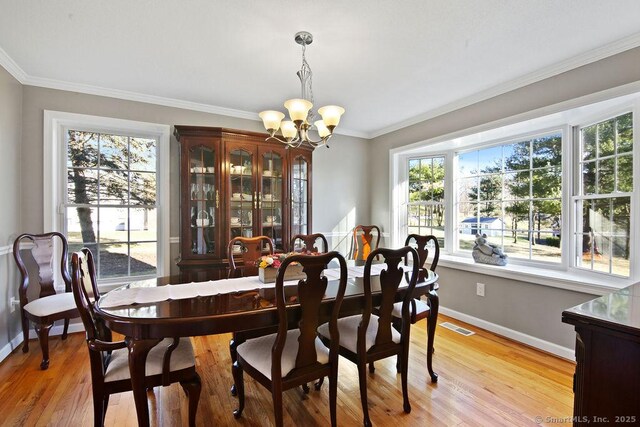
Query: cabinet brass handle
[
  {"x": 260, "y": 200},
  {"x": 255, "y": 200},
  {"x": 217, "y": 200}
]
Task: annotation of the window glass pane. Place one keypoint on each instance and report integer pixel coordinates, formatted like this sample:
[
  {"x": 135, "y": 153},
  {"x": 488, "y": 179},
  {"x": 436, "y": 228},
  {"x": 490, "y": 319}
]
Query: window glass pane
[
  {"x": 606, "y": 138},
  {"x": 468, "y": 189},
  {"x": 82, "y": 149},
  {"x": 114, "y": 188},
  {"x": 625, "y": 173},
  {"x": 517, "y": 185},
  {"x": 547, "y": 151},
  {"x": 491, "y": 187},
  {"x": 625, "y": 133},
  {"x": 606, "y": 176},
  {"x": 468, "y": 163},
  {"x": 82, "y": 186},
  {"x": 113, "y": 260},
  {"x": 82, "y": 225},
  {"x": 143, "y": 259},
  {"x": 589, "y": 143},
  {"x": 546, "y": 183},
  {"x": 143, "y": 154},
  {"x": 143, "y": 188},
  {"x": 114, "y": 152},
  {"x": 589, "y": 178},
  {"x": 546, "y": 248},
  {"x": 516, "y": 156},
  {"x": 143, "y": 225}
]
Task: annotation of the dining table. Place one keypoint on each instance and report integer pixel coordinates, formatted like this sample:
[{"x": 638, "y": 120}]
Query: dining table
[{"x": 147, "y": 311}]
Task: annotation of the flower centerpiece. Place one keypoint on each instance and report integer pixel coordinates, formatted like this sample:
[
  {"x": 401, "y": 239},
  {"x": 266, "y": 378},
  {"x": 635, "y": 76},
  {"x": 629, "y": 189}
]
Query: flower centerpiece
[{"x": 268, "y": 266}]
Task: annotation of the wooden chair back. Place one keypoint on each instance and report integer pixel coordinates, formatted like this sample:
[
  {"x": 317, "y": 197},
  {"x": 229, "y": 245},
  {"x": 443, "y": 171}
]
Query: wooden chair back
[
  {"x": 311, "y": 292},
  {"x": 42, "y": 273},
  {"x": 309, "y": 243},
  {"x": 365, "y": 238},
  {"x": 390, "y": 280},
  {"x": 86, "y": 294},
  {"x": 424, "y": 246},
  {"x": 251, "y": 248}
]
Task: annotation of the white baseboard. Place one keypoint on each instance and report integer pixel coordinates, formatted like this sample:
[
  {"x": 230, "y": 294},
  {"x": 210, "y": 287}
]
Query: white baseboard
[
  {"x": 17, "y": 340},
  {"x": 549, "y": 347}
]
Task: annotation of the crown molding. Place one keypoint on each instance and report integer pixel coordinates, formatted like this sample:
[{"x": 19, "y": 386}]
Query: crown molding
[
  {"x": 138, "y": 97},
  {"x": 577, "y": 61},
  {"x": 11, "y": 67}
]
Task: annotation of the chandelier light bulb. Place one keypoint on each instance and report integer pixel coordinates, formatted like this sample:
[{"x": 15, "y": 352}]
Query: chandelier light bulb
[
  {"x": 331, "y": 115},
  {"x": 271, "y": 120},
  {"x": 323, "y": 131},
  {"x": 289, "y": 130},
  {"x": 298, "y": 109}
]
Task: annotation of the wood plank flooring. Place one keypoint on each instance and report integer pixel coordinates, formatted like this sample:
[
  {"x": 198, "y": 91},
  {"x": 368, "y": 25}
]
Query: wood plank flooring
[{"x": 485, "y": 380}]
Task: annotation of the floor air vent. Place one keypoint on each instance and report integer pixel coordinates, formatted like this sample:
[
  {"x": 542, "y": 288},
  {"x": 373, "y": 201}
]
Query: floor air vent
[{"x": 456, "y": 328}]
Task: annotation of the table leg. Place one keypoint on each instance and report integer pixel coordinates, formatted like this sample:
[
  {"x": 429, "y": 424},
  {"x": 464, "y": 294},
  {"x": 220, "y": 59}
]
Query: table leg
[
  {"x": 138, "y": 350},
  {"x": 432, "y": 321}
]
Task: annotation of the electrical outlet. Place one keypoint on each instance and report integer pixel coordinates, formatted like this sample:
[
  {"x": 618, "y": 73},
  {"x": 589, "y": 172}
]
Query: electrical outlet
[
  {"x": 12, "y": 304},
  {"x": 480, "y": 289}
]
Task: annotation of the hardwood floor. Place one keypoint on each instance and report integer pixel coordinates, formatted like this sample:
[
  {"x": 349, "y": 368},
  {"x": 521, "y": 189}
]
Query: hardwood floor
[{"x": 485, "y": 380}]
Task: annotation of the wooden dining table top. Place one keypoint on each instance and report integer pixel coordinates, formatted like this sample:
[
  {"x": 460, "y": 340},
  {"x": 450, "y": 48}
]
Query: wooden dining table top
[{"x": 227, "y": 311}]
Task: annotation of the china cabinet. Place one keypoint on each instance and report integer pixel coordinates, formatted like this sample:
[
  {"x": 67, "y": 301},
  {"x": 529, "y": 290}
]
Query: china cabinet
[{"x": 234, "y": 183}]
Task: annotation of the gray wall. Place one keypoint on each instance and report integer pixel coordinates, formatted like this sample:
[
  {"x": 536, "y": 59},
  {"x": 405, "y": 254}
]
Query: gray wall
[
  {"x": 10, "y": 189},
  {"x": 525, "y": 307}
]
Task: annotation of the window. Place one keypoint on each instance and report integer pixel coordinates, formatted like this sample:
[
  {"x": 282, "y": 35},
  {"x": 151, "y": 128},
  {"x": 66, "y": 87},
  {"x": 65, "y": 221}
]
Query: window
[
  {"x": 556, "y": 193},
  {"x": 106, "y": 187},
  {"x": 425, "y": 206},
  {"x": 604, "y": 191},
  {"x": 111, "y": 201},
  {"x": 512, "y": 193}
]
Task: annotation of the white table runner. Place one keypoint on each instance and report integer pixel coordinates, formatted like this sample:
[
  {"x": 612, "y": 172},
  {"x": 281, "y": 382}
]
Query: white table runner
[{"x": 141, "y": 294}]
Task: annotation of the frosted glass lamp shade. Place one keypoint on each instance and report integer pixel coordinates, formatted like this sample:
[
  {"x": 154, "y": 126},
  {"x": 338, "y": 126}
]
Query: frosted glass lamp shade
[
  {"x": 331, "y": 115},
  {"x": 322, "y": 129},
  {"x": 271, "y": 119},
  {"x": 289, "y": 129},
  {"x": 298, "y": 109}
]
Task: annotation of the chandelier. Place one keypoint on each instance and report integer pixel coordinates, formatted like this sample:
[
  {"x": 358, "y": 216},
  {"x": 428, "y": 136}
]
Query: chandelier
[{"x": 295, "y": 132}]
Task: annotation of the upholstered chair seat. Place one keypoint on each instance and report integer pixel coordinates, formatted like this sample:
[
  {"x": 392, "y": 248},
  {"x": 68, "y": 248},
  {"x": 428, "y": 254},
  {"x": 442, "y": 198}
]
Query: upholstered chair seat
[
  {"x": 257, "y": 352},
  {"x": 46, "y": 306},
  {"x": 181, "y": 358},
  {"x": 422, "y": 308},
  {"x": 348, "y": 328}
]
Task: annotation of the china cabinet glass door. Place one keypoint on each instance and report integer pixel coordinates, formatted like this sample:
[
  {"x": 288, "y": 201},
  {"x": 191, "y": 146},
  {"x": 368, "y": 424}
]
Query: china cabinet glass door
[
  {"x": 203, "y": 200},
  {"x": 270, "y": 197},
  {"x": 299, "y": 196},
  {"x": 243, "y": 198}
]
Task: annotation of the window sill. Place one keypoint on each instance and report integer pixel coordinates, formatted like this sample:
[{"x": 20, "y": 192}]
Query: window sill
[{"x": 569, "y": 280}]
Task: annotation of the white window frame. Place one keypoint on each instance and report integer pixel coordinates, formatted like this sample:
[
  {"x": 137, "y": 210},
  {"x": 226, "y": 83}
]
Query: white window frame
[
  {"x": 56, "y": 124},
  {"x": 575, "y": 113}
]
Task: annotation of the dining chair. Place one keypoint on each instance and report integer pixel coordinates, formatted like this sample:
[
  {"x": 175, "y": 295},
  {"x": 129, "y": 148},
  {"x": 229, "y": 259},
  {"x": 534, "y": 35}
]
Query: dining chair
[
  {"x": 369, "y": 337},
  {"x": 39, "y": 301},
  {"x": 291, "y": 358},
  {"x": 362, "y": 241},
  {"x": 309, "y": 242},
  {"x": 419, "y": 309},
  {"x": 171, "y": 360},
  {"x": 248, "y": 250}
]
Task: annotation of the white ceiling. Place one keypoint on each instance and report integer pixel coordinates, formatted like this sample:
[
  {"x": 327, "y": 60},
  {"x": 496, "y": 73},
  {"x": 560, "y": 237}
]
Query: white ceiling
[{"x": 389, "y": 63}]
